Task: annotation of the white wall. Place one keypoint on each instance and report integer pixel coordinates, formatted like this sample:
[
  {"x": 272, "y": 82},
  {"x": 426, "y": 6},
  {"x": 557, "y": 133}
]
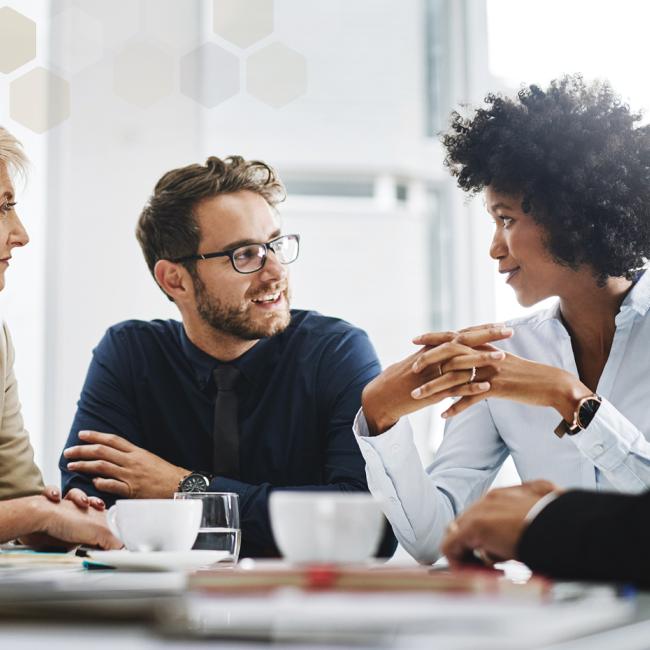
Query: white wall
[{"x": 363, "y": 115}]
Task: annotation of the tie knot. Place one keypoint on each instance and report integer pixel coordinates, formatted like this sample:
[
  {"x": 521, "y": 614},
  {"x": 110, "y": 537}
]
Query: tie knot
[{"x": 225, "y": 377}]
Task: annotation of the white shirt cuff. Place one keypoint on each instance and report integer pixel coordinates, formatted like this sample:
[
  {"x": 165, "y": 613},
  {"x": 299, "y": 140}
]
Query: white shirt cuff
[{"x": 540, "y": 505}]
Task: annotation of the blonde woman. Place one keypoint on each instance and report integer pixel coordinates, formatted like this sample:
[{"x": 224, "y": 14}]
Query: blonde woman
[{"x": 29, "y": 511}]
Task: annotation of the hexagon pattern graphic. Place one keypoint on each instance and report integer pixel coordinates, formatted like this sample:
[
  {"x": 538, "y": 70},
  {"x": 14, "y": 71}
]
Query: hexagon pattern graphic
[
  {"x": 276, "y": 75},
  {"x": 172, "y": 22},
  {"x": 119, "y": 18},
  {"x": 243, "y": 22},
  {"x": 39, "y": 100},
  {"x": 209, "y": 75},
  {"x": 17, "y": 40},
  {"x": 79, "y": 40},
  {"x": 143, "y": 73}
]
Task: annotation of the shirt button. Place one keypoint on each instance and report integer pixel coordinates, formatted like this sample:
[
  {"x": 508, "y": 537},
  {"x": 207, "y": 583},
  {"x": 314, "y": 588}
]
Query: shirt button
[
  {"x": 394, "y": 447},
  {"x": 598, "y": 449}
]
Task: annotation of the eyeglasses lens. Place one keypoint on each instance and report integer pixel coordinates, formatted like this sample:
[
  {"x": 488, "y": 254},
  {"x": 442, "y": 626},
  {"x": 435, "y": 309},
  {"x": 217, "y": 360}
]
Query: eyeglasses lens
[
  {"x": 248, "y": 259},
  {"x": 286, "y": 249}
]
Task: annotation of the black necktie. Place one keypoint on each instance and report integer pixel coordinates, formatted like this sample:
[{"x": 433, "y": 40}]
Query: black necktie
[{"x": 226, "y": 428}]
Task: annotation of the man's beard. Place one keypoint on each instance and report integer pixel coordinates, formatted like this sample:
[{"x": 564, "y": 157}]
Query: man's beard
[{"x": 236, "y": 321}]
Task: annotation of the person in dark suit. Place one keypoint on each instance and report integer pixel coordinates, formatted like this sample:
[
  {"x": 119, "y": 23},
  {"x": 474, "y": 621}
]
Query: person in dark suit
[{"x": 573, "y": 534}]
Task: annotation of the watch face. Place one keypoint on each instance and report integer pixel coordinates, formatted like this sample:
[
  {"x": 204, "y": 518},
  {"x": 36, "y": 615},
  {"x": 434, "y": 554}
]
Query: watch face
[
  {"x": 588, "y": 410},
  {"x": 195, "y": 483}
]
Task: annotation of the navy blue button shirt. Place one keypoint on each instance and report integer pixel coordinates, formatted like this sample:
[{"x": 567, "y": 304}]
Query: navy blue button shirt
[{"x": 298, "y": 396}]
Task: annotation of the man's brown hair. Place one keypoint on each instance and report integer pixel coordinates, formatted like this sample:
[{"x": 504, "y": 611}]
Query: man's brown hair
[{"x": 167, "y": 228}]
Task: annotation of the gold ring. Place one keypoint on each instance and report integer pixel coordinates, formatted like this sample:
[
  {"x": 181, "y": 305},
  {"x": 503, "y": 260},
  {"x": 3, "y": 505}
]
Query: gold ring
[{"x": 473, "y": 376}]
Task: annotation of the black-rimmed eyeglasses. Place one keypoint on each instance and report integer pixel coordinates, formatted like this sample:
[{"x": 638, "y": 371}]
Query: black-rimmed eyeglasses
[{"x": 252, "y": 257}]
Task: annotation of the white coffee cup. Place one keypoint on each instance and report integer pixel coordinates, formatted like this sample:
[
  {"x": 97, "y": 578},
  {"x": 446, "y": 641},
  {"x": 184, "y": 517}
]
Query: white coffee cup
[
  {"x": 155, "y": 524},
  {"x": 325, "y": 527}
]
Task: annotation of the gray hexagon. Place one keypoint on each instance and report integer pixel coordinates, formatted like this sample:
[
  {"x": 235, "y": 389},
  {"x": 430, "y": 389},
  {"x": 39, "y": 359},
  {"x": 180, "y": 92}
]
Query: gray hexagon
[
  {"x": 120, "y": 19},
  {"x": 77, "y": 40},
  {"x": 276, "y": 75},
  {"x": 172, "y": 22},
  {"x": 143, "y": 73},
  {"x": 242, "y": 22},
  {"x": 209, "y": 75},
  {"x": 39, "y": 100},
  {"x": 17, "y": 39}
]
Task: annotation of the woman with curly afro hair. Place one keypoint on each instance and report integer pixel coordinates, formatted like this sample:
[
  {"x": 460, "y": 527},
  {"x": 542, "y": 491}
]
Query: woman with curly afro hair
[{"x": 565, "y": 176}]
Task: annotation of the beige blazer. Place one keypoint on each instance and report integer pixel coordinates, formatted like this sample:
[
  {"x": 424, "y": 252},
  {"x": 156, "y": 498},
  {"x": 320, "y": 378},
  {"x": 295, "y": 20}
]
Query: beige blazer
[{"x": 19, "y": 475}]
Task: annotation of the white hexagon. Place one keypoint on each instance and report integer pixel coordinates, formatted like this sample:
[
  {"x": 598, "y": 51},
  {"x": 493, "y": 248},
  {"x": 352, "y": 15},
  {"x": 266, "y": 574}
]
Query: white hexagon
[
  {"x": 143, "y": 73},
  {"x": 17, "y": 40},
  {"x": 243, "y": 22},
  {"x": 39, "y": 100},
  {"x": 172, "y": 22},
  {"x": 276, "y": 75},
  {"x": 209, "y": 75},
  {"x": 77, "y": 40},
  {"x": 120, "y": 19}
]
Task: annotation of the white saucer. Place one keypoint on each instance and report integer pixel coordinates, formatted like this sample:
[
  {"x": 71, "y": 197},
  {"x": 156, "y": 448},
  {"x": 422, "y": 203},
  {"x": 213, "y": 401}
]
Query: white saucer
[{"x": 157, "y": 560}]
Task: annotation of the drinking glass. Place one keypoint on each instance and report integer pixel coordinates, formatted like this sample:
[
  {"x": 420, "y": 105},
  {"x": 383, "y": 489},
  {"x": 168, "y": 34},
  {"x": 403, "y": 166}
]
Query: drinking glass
[{"x": 219, "y": 529}]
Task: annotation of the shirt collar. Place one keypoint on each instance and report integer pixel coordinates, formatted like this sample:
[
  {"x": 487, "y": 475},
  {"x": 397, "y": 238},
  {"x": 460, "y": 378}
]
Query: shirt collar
[
  {"x": 638, "y": 297},
  {"x": 252, "y": 363}
]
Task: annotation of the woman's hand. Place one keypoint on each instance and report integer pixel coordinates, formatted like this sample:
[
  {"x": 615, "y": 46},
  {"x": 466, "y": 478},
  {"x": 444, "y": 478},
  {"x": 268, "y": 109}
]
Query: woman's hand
[
  {"x": 64, "y": 525},
  {"x": 393, "y": 393},
  {"x": 77, "y": 496},
  {"x": 523, "y": 381}
]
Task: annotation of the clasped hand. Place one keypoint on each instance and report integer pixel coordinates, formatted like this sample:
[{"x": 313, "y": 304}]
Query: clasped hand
[
  {"x": 465, "y": 365},
  {"x": 122, "y": 468}
]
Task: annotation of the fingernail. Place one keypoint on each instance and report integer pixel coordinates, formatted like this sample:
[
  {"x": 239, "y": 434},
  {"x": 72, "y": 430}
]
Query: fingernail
[
  {"x": 84, "y": 434},
  {"x": 444, "y": 415},
  {"x": 416, "y": 393},
  {"x": 415, "y": 367},
  {"x": 496, "y": 355},
  {"x": 417, "y": 339},
  {"x": 484, "y": 385},
  {"x": 506, "y": 330},
  {"x": 84, "y": 499},
  {"x": 72, "y": 465},
  {"x": 54, "y": 493}
]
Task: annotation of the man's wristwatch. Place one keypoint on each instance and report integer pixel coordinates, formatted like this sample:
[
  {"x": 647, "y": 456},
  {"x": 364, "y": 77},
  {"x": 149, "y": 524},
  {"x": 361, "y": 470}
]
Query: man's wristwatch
[
  {"x": 582, "y": 417},
  {"x": 195, "y": 482}
]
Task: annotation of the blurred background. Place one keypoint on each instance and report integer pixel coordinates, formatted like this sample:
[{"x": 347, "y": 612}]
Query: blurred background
[{"x": 346, "y": 98}]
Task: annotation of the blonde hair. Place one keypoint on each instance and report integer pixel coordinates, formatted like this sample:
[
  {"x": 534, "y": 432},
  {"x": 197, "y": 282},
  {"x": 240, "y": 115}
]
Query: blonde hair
[{"x": 12, "y": 154}]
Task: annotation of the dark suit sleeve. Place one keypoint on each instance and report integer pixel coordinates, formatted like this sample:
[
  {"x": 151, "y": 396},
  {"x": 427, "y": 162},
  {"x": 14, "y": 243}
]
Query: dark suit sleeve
[
  {"x": 590, "y": 535},
  {"x": 107, "y": 404},
  {"x": 347, "y": 364}
]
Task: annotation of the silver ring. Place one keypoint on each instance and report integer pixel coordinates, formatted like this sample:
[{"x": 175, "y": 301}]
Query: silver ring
[
  {"x": 473, "y": 377},
  {"x": 440, "y": 373}
]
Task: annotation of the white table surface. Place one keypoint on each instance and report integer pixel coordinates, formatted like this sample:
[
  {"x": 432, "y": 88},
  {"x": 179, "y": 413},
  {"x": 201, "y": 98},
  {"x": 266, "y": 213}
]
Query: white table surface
[{"x": 456, "y": 623}]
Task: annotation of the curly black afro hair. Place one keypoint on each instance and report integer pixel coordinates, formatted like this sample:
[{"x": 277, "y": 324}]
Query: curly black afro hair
[{"x": 578, "y": 158}]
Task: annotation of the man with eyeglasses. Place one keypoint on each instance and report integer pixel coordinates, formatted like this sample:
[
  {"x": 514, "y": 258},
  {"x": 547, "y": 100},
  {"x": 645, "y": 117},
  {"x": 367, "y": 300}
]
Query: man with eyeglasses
[{"x": 244, "y": 395}]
